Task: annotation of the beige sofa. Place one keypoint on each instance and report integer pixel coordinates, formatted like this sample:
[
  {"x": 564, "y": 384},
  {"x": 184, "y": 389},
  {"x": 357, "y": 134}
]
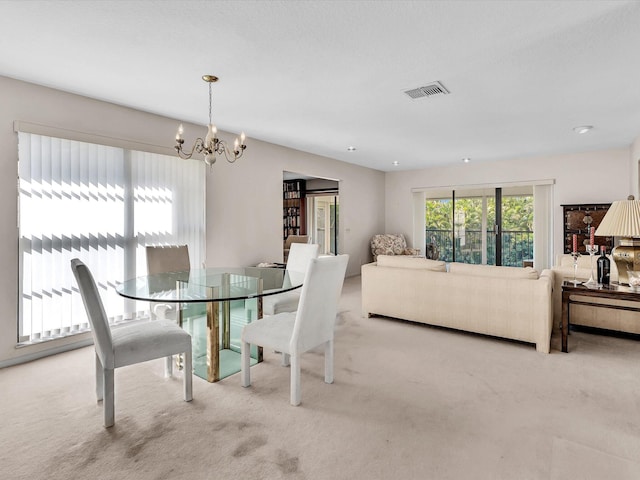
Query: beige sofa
[
  {"x": 607, "y": 318},
  {"x": 507, "y": 302}
]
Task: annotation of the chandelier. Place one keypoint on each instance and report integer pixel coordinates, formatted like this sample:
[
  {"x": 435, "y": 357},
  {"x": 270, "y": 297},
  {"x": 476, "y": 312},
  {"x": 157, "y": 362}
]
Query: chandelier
[{"x": 211, "y": 145}]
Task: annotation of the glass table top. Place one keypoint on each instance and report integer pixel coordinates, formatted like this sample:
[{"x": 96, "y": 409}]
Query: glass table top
[{"x": 211, "y": 284}]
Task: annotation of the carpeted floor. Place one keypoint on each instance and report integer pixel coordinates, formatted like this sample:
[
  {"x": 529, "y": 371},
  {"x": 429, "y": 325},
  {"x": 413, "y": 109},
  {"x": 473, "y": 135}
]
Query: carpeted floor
[{"x": 408, "y": 402}]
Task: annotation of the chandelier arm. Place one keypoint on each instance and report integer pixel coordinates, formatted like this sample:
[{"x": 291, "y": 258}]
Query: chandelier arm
[
  {"x": 198, "y": 147},
  {"x": 182, "y": 154},
  {"x": 236, "y": 154},
  {"x": 218, "y": 146},
  {"x": 228, "y": 159},
  {"x": 221, "y": 148}
]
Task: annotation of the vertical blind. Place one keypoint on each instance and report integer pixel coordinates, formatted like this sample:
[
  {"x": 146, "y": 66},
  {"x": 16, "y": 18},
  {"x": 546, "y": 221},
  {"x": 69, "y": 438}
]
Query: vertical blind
[{"x": 101, "y": 204}]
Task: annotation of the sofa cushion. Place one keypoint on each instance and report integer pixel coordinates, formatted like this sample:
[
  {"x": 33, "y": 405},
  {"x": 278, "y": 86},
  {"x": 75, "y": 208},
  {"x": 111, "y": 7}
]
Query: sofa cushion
[
  {"x": 527, "y": 273},
  {"x": 411, "y": 262}
]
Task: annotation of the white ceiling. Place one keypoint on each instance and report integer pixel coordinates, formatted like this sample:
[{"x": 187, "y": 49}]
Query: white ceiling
[{"x": 322, "y": 75}]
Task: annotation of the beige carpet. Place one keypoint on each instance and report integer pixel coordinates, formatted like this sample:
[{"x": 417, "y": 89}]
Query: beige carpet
[{"x": 409, "y": 402}]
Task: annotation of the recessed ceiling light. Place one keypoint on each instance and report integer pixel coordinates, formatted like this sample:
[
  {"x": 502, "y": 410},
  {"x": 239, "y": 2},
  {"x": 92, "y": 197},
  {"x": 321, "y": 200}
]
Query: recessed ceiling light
[
  {"x": 582, "y": 129},
  {"x": 466, "y": 159},
  {"x": 351, "y": 148},
  {"x": 396, "y": 163}
]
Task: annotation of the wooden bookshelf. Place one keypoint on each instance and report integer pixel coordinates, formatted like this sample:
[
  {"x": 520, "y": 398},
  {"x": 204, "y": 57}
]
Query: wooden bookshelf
[{"x": 293, "y": 208}]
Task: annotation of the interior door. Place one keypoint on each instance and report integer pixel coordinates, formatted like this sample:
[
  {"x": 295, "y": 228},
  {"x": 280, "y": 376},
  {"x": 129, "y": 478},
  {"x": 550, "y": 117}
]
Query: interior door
[{"x": 324, "y": 226}]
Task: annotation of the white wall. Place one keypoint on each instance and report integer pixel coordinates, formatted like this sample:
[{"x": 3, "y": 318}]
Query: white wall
[
  {"x": 634, "y": 161},
  {"x": 591, "y": 177},
  {"x": 244, "y": 200},
  {"x": 244, "y": 205}
]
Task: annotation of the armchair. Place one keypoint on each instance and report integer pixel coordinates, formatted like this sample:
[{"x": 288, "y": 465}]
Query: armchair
[{"x": 391, "y": 244}]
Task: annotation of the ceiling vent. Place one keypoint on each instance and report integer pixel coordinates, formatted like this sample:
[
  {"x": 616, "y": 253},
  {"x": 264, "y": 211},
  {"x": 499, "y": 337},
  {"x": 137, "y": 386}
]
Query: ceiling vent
[{"x": 434, "y": 88}]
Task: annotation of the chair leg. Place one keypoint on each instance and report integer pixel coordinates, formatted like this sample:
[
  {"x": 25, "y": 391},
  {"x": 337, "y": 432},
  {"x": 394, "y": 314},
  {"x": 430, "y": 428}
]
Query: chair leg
[
  {"x": 295, "y": 380},
  {"x": 99, "y": 382},
  {"x": 286, "y": 360},
  {"x": 187, "y": 373},
  {"x": 108, "y": 403},
  {"x": 245, "y": 365},
  {"x": 168, "y": 366},
  {"x": 328, "y": 362}
]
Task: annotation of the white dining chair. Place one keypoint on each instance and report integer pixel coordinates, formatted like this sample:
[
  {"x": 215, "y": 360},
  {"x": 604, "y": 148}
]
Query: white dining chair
[
  {"x": 164, "y": 259},
  {"x": 297, "y": 263},
  {"x": 167, "y": 258},
  {"x": 127, "y": 344},
  {"x": 311, "y": 326},
  {"x": 291, "y": 239}
]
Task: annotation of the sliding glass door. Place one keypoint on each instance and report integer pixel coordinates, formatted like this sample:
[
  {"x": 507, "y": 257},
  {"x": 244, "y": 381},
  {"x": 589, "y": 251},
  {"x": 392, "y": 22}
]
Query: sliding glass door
[
  {"x": 474, "y": 219},
  {"x": 516, "y": 229},
  {"x": 481, "y": 226}
]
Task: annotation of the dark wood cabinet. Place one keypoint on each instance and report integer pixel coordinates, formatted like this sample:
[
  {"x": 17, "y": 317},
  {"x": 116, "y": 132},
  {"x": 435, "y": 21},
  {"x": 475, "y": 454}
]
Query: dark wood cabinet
[
  {"x": 577, "y": 219},
  {"x": 293, "y": 208}
]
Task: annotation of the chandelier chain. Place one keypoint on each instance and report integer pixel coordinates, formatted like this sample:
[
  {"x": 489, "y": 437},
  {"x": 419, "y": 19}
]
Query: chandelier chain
[{"x": 210, "y": 103}]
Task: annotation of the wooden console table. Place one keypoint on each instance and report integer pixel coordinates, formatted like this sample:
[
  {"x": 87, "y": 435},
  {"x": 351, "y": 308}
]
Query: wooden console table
[{"x": 611, "y": 292}]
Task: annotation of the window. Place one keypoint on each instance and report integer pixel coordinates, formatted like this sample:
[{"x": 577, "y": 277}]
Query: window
[
  {"x": 509, "y": 225},
  {"x": 102, "y": 204}
]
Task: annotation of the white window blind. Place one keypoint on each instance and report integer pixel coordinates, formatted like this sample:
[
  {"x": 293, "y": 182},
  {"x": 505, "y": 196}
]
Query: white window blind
[{"x": 101, "y": 204}]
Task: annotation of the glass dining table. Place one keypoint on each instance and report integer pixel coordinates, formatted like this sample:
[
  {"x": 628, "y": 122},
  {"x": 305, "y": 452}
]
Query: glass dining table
[{"x": 213, "y": 305}]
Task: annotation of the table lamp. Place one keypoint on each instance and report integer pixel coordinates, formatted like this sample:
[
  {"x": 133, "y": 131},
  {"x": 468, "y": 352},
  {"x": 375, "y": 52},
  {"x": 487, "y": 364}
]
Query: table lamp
[{"x": 623, "y": 220}]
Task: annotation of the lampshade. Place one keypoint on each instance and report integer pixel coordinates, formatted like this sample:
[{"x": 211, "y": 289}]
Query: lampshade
[{"x": 622, "y": 219}]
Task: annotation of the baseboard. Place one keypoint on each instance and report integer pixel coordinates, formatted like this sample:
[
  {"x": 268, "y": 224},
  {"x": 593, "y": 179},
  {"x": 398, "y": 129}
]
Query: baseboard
[{"x": 29, "y": 357}]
